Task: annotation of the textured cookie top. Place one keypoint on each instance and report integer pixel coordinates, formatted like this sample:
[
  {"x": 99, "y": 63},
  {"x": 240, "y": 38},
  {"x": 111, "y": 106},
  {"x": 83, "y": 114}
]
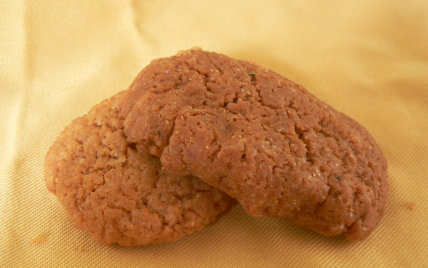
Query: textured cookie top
[
  {"x": 119, "y": 193},
  {"x": 262, "y": 139}
]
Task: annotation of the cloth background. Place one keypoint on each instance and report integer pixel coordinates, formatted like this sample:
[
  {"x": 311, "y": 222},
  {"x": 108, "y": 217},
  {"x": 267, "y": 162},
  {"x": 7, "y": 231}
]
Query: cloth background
[{"x": 368, "y": 59}]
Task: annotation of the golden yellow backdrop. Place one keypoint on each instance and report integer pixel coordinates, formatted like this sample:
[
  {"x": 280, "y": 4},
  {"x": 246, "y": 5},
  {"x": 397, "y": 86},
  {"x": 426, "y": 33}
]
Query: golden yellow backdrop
[{"x": 368, "y": 59}]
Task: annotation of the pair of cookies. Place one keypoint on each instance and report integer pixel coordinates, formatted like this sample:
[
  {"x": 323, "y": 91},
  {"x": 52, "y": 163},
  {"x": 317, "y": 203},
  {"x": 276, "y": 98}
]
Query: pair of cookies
[{"x": 160, "y": 160}]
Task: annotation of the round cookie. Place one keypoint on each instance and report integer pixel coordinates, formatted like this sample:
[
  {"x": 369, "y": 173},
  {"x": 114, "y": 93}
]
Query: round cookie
[
  {"x": 118, "y": 192},
  {"x": 262, "y": 139}
]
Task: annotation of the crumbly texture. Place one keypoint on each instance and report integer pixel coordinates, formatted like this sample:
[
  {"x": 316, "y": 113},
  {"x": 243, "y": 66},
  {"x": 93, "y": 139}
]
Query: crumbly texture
[
  {"x": 262, "y": 139},
  {"x": 118, "y": 192}
]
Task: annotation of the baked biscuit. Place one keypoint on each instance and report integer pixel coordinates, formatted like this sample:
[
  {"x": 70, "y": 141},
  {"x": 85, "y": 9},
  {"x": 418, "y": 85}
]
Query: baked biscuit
[
  {"x": 119, "y": 193},
  {"x": 260, "y": 138}
]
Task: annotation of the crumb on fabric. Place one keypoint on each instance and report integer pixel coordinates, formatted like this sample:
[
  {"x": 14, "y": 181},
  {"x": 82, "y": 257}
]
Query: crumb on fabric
[
  {"x": 411, "y": 205},
  {"x": 38, "y": 240}
]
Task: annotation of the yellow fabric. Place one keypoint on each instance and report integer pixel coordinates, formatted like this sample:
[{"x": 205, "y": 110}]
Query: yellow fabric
[{"x": 368, "y": 59}]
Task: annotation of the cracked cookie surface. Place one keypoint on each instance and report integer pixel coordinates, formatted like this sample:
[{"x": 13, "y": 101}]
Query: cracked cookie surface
[
  {"x": 260, "y": 138},
  {"x": 119, "y": 193}
]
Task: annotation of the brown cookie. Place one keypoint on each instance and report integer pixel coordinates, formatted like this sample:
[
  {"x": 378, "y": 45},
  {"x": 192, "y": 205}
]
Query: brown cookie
[
  {"x": 119, "y": 193},
  {"x": 262, "y": 139}
]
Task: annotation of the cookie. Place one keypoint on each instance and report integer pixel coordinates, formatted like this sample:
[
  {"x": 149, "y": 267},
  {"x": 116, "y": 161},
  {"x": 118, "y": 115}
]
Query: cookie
[
  {"x": 117, "y": 191},
  {"x": 262, "y": 139}
]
